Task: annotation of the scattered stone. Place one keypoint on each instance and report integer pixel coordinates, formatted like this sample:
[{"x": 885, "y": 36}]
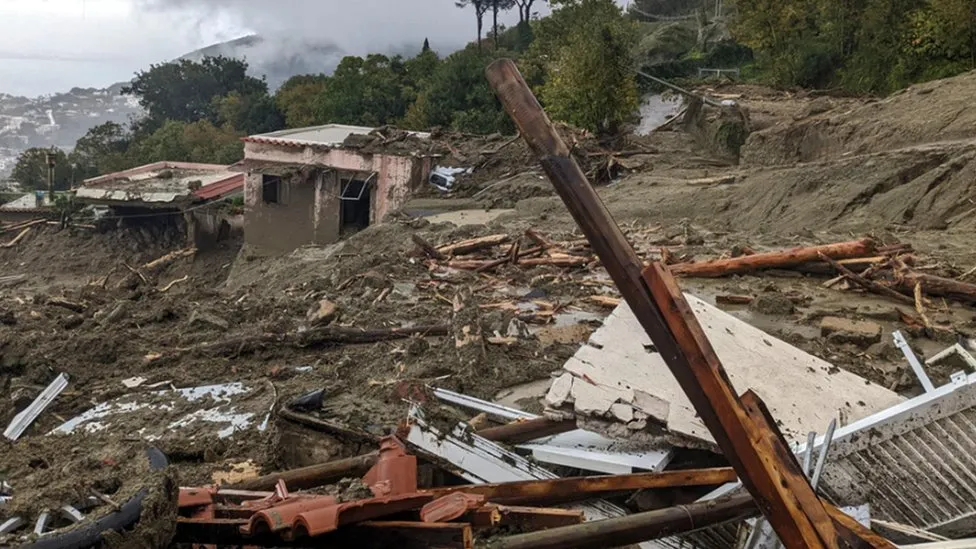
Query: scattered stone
[
  {"x": 204, "y": 321},
  {"x": 7, "y": 318},
  {"x": 322, "y": 313},
  {"x": 71, "y": 322},
  {"x": 116, "y": 314},
  {"x": 560, "y": 390},
  {"x": 855, "y": 332},
  {"x": 519, "y": 329},
  {"x": 773, "y": 303}
]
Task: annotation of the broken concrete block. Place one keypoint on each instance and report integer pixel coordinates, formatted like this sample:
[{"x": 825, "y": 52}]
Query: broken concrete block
[
  {"x": 856, "y": 332},
  {"x": 204, "y": 321},
  {"x": 651, "y": 406},
  {"x": 560, "y": 391},
  {"x": 593, "y": 399},
  {"x": 322, "y": 313},
  {"x": 622, "y": 412}
]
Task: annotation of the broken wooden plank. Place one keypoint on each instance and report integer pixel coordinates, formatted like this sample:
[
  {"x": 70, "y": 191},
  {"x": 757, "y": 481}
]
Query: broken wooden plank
[
  {"x": 474, "y": 244},
  {"x": 666, "y": 317},
  {"x": 426, "y": 247},
  {"x": 774, "y": 260},
  {"x": 563, "y": 490},
  {"x": 905, "y": 281}
]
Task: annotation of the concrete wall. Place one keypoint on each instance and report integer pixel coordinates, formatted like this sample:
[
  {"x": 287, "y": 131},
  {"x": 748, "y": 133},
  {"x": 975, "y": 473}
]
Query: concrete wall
[
  {"x": 311, "y": 212},
  {"x": 205, "y": 227}
]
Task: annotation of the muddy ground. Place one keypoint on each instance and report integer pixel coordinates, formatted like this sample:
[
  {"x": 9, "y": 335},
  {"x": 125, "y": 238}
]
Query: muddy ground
[{"x": 814, "y": 170}]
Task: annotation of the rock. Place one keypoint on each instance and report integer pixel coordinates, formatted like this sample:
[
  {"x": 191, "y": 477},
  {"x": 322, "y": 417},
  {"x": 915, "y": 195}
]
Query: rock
[
  {"x": 71, "y": 322},
  {"x": 772, "y": 303},
  {"x": 856, "y": 332},
  {"x": 116, "y": 314},
  {"x": 7, "y": 318},
  {"x": 322, "y": 313},
  {"x": 204, "y": 321},
  {"x": 560, "y": 390},
  {"x": 885, "y": 351},
  {"x": 519, "y": 329}
]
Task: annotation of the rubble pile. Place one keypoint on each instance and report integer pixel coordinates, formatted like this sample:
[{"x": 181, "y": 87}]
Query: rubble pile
[{"x": 526, "y": 382}]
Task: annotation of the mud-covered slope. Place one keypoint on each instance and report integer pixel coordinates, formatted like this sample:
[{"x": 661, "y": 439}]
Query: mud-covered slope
[{"x": 938, "y": 111}]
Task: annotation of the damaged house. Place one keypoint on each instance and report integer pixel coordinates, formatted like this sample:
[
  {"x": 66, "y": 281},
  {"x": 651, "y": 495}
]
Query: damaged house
[
  {"x": 312, "y": 185},
  {"x": 179, "y": 194}
]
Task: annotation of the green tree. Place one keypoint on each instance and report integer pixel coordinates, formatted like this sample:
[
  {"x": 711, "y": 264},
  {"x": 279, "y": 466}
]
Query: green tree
[
  {"x": 459, "y": 97},
  {"x": 480, "y": 8},
  {"x": 498, "y": 6},
  {"x": 31, "y": 169},
  {"x": 250, "y": 114},
  {"x": 185, "y": 90},
  {"x": 590, "y": 78},
  {"x": 298, "y": 99},
  {"x": 200, "y": 141},
  {"x": 102, "y": 150},
  {"x": 366, "y": 91}
]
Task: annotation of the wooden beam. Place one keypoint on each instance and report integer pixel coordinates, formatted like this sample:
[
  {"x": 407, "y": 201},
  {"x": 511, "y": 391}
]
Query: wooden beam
[
  {"x": 562, "y": 490},
  {"x": 617, "y": 532},
  {"x": 313, "y": 475},
  {"x": 662, "y": 310},
  {"x": 518, "y": 432}
]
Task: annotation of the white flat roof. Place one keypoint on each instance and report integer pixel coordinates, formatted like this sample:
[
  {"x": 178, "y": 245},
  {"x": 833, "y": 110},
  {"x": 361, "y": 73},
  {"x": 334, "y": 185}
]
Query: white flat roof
[{"x": 333, "y": 135}]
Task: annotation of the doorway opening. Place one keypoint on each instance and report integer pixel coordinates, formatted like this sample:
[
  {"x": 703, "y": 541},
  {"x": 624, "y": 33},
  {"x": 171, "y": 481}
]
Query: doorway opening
[{"x": 355, "y": 205}]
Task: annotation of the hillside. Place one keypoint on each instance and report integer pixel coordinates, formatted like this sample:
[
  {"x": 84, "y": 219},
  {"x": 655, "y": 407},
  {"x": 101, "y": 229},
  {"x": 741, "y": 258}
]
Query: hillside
[{"x": 59, "y": 120}]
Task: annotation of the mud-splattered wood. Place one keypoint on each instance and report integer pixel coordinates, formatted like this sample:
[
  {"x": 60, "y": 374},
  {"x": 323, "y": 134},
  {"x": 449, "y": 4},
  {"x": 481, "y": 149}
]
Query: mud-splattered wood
[
  {"x": 869, "y": 285},
  {"x": 774, "y": 260}
]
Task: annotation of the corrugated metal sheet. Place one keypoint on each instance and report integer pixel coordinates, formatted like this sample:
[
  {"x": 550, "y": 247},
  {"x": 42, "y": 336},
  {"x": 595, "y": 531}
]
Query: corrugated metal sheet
[{"x": 914, "y": 463}]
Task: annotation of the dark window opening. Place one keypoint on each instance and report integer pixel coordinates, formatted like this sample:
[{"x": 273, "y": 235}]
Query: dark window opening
[
  {"x": 271, "y": 189},
  {"x": 355, "y": 205}
]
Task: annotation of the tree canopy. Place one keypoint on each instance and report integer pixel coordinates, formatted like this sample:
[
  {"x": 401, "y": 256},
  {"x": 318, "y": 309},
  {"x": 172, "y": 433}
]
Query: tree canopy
[{"x": 31, "y": 169}]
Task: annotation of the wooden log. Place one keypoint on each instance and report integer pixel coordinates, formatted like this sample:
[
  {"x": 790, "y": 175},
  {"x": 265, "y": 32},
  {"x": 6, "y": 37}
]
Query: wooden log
[
  {"x": 605, "y": 301},
  {"x": 565, "y": 261},
  {"x": 774, "y": 260},
  {"x": 474, "y": 244},
  {"x": 313, "y": 475},
  {"x": 153, "y": 268},
  {"x": 905, "y": 280},
  {"x": 636, "y": 528},
  {"x": 22, "y": 226},
  {"x": 564, "y": 490},
  {"x": 868, "y": 285},
  {"x": 16, "y": 239},
  {"x": 522, "y": 431},
  {"x": 660, "y": 307},
  {"x": 538, "y": 238},
  {"x": 65, "y": 304}
]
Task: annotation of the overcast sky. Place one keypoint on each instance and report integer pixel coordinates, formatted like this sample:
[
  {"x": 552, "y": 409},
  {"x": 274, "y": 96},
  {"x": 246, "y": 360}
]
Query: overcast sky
[{"x": 48, "y": 46}]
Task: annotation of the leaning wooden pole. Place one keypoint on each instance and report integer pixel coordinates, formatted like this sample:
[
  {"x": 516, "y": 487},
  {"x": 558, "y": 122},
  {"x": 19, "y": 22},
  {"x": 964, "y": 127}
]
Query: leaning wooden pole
[{"x": 779, "y": 487}]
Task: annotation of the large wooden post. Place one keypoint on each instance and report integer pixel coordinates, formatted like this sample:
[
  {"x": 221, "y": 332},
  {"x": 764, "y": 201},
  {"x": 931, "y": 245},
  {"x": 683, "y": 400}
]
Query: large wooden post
[{"x": 778, "y": 486}]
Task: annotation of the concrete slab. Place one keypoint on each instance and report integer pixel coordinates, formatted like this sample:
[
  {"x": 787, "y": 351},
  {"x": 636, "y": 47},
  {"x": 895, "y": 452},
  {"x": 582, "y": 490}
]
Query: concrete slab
[{"x": 802, "y": 391}]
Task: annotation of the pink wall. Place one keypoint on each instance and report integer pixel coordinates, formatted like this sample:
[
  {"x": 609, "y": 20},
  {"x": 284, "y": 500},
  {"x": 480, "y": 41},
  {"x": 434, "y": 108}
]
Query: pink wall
[{"x": 396, "y": 178}]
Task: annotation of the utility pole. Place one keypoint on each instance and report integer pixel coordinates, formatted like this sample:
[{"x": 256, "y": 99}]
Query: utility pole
[{"x": 52, "y": 161}]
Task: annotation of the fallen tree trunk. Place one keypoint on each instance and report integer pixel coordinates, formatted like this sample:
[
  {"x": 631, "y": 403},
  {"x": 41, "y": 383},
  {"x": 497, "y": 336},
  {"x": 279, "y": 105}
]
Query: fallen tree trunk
[
  {"x": 325, "y": 336},
  {"x": 474, "y": 244},
  {"x": 905, "y": 281},
  {"x": 774, "y": 260},
  {"x": 17, "y": 238},
  {"x": 313, "y": 475}
]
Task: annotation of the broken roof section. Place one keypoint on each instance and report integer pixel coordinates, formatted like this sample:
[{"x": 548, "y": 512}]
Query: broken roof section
[
  {"x": 618, "y": 378},
  {"x": 329, "y": 135},
  {"x": 162, "y": 184}
]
